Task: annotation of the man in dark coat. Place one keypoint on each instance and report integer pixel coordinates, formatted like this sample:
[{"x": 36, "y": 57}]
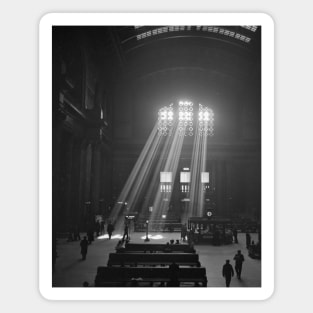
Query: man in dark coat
[
  {"x": 98, "y": 228},
  {"x": 84, "y": 248},
  {"x": 184, "y": 232},
  {"x": 126, "y": 232},
  {"x": 102, "y": 227},
  {"x": 239, "y": 259},
  {"x": 110, "y": 229},
  {"x": 76, "y": 233},
  {"x": 174, "y": 273},
  {"x": 235, "y": 234},
  {"x": 90, "y": 236},
  {"x": 228, "y": 272},
  {"x": 174, "y": 269},
  {"x": 248, "y": 240}
]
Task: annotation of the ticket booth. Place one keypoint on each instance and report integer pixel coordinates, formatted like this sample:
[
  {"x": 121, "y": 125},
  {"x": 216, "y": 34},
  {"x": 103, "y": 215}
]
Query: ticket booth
[{"x": 215, "y": 230}]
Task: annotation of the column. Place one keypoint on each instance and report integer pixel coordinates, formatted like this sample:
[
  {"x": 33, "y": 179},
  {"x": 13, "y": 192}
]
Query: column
[
  {"x": 95, "y": 178},
  {"x": 221, "y": 188},
  {"x": 82, "y": 183},
  {"x": 68, "y": 180},
  {"x": 75, "y": 181},
  {"x": 229, "y": 188}
]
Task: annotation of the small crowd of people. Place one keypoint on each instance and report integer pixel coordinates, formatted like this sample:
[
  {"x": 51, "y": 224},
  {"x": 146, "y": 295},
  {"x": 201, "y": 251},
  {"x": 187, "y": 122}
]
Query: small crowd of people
[
  {"x": 87, "y": 240},
  {"x": 73, "y": 234},
  {"x": 227, "y": 271},
  {"x": 168, "y": 248}
]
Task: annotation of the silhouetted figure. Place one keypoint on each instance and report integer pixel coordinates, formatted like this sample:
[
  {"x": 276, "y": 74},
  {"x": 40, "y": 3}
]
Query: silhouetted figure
[
  {"x": 239, "y": 259},
  {"x": 191, "y": 235},
  {"x": 184, "y": 232},
  {"x": 172, "y": 241},
  {"x": 191, "y": 244},
  {"x": 98, "y": 228},
  {"x": 174, "y": 268},
  {"x": 90, "y": 236},
  {"x": 110, "y": 229},
  {"x": 84, "y": 248},
  {"x": 248, "y": 240},
  {"x": 235, "y": 233},
  {"x": 76, "y": 233},
  {"x": 102, "y": 227},
  {"x": 70, "y": 234},
  {"x": 120, "y": 245},
  {"x": 167, "y": 248},
  {"x": 216, "y": 238},
  {"x": 174, "y": 273},
  {"x": 254, "y": 250},
  {"x": 85, "y": 284},
  {"x": 177, "y": 241},
  {"x": 126, "y": 229},
  {"x": 228, "y": 272}
]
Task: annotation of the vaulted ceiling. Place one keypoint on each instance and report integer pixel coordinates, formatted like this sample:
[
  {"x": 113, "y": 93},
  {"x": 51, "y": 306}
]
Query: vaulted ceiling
[{"x": 218, "y": 66}]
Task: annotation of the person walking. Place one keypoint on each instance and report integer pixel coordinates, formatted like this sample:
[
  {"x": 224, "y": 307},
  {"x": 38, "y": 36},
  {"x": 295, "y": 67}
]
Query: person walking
[
  {"x": 248, "y": 240},
  {"x": 110, "y": 229},
  {"x": 84, "y": 248},
  {"x": 98, "y": 228},
  {"x": 228, "y": 272},
  {"x": 126, "y": 232},
  {"x": 183, "y": 232},
  {"x": 90, "y": 236},
  {"x": 235, "y": 234},
  {"x": 76, "y": 233},
  {"x": 239, "y": 259},
  {"x": 102, "y": 227}
]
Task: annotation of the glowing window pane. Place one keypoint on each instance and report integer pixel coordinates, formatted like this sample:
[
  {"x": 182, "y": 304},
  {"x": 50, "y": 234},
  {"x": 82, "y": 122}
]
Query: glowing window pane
[
  {"x": 185, "y": 177},
  {"x": 165, "y": 177},
  {"x": 205, "y": 177}
]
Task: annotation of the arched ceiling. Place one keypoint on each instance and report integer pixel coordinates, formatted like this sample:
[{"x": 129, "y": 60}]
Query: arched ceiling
[
  {"x": 214, "y": 65},
  {"x": 133, "y": 37},
  {"x": 142, "y": 50}
]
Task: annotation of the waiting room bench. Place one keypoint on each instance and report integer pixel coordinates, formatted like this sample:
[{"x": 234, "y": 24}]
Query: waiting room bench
[
  {"x": 123, "y": 276},
  {"x": 154, "y": 248},
  {"x": 153, "y": 259}
]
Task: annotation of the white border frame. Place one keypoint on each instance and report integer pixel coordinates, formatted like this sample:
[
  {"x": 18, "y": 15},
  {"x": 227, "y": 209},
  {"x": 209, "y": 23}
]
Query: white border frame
[{"x": 45, "y": 156}]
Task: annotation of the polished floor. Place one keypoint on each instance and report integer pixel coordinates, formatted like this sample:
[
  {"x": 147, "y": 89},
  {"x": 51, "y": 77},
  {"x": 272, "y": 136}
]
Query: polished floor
[{"x": 71, "y": 271}]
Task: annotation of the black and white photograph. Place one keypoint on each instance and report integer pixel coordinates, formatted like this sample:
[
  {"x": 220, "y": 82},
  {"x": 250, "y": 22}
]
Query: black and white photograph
[{"x": 156, "y": 157}]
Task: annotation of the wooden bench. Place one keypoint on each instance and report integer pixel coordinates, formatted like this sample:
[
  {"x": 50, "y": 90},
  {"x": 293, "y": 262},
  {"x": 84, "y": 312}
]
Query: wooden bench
[
  {"x": 123, "y": 276},
  {"x": 154, "y": 248},
  {"x": 153, "y": 259}
]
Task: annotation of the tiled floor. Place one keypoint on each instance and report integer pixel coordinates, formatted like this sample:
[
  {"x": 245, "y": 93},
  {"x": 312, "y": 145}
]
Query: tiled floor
[{"x": 72, "y": 272}]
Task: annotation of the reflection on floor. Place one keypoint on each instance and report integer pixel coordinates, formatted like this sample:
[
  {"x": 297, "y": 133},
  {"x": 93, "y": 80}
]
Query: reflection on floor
[{"x": 72, "y": 272}]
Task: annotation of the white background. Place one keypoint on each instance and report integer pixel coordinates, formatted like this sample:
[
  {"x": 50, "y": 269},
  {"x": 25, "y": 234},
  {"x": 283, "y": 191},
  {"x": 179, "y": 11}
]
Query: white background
[{"x": 19, "y": 154}]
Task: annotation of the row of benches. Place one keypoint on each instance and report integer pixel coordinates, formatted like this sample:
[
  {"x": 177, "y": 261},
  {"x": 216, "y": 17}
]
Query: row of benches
[
  {"x": 154, "y": 248},
  {"x": 153, "y": 259},
  {"x": 124, "y": 276},
  {"x": 133, "y": 266}
]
